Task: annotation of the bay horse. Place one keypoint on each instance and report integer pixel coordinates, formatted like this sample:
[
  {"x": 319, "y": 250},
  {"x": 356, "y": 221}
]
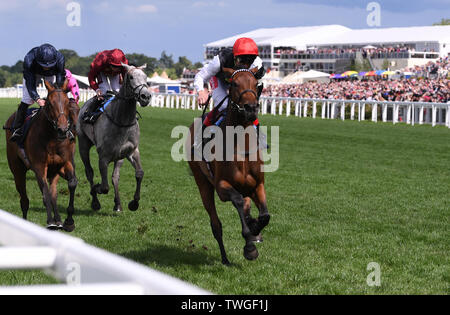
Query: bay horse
[
  {"x": 49, "y": 151},
  {"x": 238, "y": 180},
  {"x": 116, "y": 135}
]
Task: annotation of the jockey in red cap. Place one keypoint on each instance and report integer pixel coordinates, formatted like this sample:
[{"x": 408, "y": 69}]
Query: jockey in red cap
[
  {"x": 106, "y": 74},
  {"x": 244, "y": 53}
]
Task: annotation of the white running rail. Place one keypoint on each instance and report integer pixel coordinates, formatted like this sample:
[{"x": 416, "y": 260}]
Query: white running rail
[
  {"x": 408, "y": 112},
  {"x": 83, "y": 268}
]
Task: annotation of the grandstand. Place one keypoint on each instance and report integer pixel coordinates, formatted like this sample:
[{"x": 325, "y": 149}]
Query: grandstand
[{"x": 334, "y": 48}]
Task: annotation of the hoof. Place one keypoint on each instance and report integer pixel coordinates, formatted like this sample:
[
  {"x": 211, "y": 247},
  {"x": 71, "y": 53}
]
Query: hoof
[
  {"x": 250, "y": 252},
  {"x": 133, "y": 205},
  {"x": 95, "y": 205},
  {"x": 226, "y": 262},
  {"x": 117, "y": 209},
  {"x": 257, "y": 238},
  {"x": 52, "y": 227},
  {"x": 68, "y": 227}
]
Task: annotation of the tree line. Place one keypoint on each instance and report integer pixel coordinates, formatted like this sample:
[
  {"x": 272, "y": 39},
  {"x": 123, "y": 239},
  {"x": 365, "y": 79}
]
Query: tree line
[{"x": 11, "y": 75}]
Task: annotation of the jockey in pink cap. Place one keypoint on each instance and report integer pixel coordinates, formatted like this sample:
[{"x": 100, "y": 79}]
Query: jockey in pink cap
[{"x": 73, "y": 86}]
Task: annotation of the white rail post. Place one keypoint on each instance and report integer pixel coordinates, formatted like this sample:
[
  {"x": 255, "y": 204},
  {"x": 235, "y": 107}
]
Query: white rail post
[
  {"x": 288, "y": 108},
  {"x": 385, "y": 107},
  {"x": 343, "y": 110},
  {"x": 296, "y": 108},
  {"x": 413, "y": 115},
  {"x": 408, "y": 114},
  {"x": 280, "y": 109},
  {"x": 352, "y": 111},
  {"x": 273, "y": 107},
  {"x": 324, "y": 108},
  {"x": 305, "y": 109},
  {"x": 447, "y": 116},
  {"x": 374, "y": 112},
  {"x": 314, "y": 109},
  {"x": 421, "y": 115},
  {"x": 363, "y": 112}
]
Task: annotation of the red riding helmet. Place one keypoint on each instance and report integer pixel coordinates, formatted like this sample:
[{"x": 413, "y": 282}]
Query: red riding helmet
[
  {"x": 116, "y": 57},
  {"x": 245, "y": 46}
]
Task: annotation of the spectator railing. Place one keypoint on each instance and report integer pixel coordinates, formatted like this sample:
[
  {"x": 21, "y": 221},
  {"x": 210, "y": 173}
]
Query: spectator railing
[
  {"x": 408, "y": 112},
  {"x": 395, "y": 112}
]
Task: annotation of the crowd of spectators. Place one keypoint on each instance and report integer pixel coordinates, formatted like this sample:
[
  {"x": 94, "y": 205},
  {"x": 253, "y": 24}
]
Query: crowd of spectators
[{"x": 430, "y": 84}]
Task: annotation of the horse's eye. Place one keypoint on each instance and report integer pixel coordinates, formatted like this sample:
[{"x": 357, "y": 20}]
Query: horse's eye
[{"x": 131, "y": 77}]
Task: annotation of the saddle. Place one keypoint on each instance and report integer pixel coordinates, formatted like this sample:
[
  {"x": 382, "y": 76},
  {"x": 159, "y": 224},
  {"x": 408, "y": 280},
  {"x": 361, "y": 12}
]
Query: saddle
[
  {"x": 91, "y": 117},
  {"x": 29, "y": 119}
]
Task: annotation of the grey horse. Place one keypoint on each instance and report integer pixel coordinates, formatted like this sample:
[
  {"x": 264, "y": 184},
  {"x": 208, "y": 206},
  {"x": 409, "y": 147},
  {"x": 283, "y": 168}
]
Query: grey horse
[{"x": 115, "y": 134}]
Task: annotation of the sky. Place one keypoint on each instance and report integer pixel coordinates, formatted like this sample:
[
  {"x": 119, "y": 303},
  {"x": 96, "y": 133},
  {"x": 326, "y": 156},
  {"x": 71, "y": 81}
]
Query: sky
[{"x": 182, "y": 27}]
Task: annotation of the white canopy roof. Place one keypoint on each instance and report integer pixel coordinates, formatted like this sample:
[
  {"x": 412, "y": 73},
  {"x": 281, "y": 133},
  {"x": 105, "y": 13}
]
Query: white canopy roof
[
  {"x": 284, "y": 36},
  {"x": 303, "y": 37}
]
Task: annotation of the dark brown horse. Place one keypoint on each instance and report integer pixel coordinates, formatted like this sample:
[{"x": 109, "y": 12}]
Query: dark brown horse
[
  {"x": 49, "y": 151},
  {"x": 239, "y": 179}
]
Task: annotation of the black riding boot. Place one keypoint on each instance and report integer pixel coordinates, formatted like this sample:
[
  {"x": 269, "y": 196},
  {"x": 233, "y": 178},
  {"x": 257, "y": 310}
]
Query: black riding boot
[
  {"x": 91, "y": 115},
  {"x": 18, "y": 122}
]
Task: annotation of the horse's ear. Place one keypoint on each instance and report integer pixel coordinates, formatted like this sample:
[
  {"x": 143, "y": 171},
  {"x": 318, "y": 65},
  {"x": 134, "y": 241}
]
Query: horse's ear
[
  {"x": 65, "y": 86},
  {"x": 228, "y": 72},
  {"x": 127, "y": 67},
  {"x": 143, "y": 66},
  {"x": 49, "y": 86}
]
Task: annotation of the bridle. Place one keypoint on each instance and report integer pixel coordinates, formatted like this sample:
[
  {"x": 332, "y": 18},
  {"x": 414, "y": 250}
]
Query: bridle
[
  {"x": 134, "y": 95},
  {"x": 54, "y": 122},
  {"x": 236, "y": 105}
]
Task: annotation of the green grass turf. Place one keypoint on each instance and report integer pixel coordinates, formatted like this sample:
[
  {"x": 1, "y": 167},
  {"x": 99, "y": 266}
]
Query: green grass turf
[{"x": 345, "y": 194}]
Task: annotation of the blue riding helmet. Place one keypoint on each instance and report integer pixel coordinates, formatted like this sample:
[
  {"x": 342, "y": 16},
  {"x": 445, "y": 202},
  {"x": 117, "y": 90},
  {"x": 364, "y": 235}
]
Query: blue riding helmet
[{"x": 46, "y": 56}]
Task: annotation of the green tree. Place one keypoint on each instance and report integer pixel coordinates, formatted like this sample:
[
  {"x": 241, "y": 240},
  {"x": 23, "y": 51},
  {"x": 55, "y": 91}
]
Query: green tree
[
  {"x": 166, "y": 61},
  {"x": 443, "y": 22}
]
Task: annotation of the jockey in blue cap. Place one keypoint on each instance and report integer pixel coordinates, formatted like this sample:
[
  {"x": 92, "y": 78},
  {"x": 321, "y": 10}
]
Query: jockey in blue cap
[{"x": 43, "y": 62}]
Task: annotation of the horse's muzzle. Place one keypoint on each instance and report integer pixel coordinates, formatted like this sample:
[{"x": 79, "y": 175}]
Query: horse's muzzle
[
  {"x": 144, "y": 98},
  {"x": 251, "y": 112}
]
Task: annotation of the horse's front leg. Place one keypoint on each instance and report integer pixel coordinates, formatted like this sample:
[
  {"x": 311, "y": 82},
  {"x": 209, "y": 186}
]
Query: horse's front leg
[
  {"x": 115, "y": 182},
  {"x": 54, "y": 196},
  {"x": 227, "y": 193},
  {"x": 41, "y": 176},
  {"x": 135, "y": 160},
  {"x": 69, "y": 175},
  {"x": 103, "y": 187},
  {"x": 259, "y": 199}
]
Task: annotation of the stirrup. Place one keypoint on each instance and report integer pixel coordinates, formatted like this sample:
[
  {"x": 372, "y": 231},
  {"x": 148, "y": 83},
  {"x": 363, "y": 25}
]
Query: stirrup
[{"x": 17, "y": 135}]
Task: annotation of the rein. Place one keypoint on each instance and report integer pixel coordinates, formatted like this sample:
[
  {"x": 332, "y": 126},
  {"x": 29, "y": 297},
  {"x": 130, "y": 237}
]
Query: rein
[
  {"x": 236, "y": 105},
  {"x": 127, "y": 98}
]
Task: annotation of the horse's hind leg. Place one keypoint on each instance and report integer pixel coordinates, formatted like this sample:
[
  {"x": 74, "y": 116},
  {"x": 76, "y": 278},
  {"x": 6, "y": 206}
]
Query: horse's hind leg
[
  {"x": 207, "y": 193},
  {"x": 85, "y": 145},
  {"x": 115, "y": 182},
  {"x": 21, "y": 187},
  {"x": 135, "y": 160}
]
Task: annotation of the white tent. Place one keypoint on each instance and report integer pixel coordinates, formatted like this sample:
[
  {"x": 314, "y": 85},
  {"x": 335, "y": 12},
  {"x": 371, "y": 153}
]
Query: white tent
[
  {"x": 160, "y": 80},
  {"x": 313, "y": 74},
  {"x": 273, "y": 77},
  {"x": 81, "y": 79}
]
